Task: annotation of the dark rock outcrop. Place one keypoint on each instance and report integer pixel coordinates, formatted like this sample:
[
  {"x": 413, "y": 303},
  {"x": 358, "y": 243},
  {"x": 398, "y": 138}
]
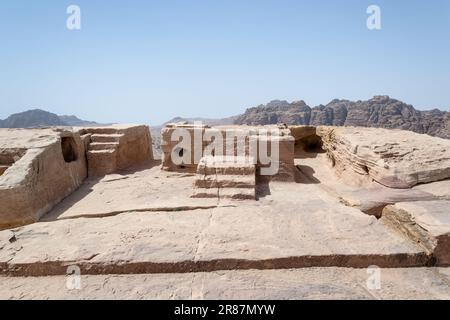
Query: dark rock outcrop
[
  {"x": 277, "y": 111},
  {"x": 380, "y": 112},
  {"x": 31, "y": 119},
  {"x": 39, "y": 118}
]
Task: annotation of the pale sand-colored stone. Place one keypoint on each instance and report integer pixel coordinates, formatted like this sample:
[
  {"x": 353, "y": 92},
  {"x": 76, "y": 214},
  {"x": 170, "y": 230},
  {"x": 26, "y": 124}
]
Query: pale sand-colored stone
[
  {"x": 394, "y": 158},
  {"x": 426, "y": 222},
  {"x": 144, "y": 189},
  {"x": 227, "y": 140},
  {"x": 27, "y": 138},
  {"x": 44, "y": 166},
  {"x": 433, "y": 216},
  {"x": 117, "y": 147},
  {"x": 308, "y": 283},
  {"x": 367, "y": 196},
  {"x": 440, "y": 189},
  {"x": 188, "y": 150},
  {"x": 293, "y": 226},
  {"x": 225, "y": 177},
  {"x": 226, "y": 165},
  {"x": 143, "y": 221}
]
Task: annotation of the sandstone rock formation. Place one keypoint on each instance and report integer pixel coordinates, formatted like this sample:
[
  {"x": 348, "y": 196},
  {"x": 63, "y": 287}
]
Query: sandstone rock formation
[
  {"x": 43, "y": 167},
  {"x": 302, "y": 284},
  {"x": 344, "y": 197},
  {"x": 40, "y": 167},
  {"x": 380, "y": 112},
  {"x": 294, "y": 226},
  {"x": 425, "y": 222},
  {"x": 285, "y": 158},
  {"x": 394, "y": 158},
  {"x": 117, "y": 147},
  {"x": 225, "y": 177},
  {"x": 230, "y": 141},
  {"x": 170, "y": 140},
  {"x": 276, "y": 112}
]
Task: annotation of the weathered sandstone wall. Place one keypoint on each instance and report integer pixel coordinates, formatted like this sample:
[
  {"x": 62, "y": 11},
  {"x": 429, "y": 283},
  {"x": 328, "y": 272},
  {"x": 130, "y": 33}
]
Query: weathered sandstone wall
[
  {"x": 40, "y": 167},
  {"x": 231, "y": 146},
  {"x": 43, "y": 167},
  {"x": 168, "y": 147}
]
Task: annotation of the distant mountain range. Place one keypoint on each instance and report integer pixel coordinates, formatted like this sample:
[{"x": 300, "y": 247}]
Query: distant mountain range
[
  {"x": 207, "y": 121},
  {"x": 39, "y": 118},
  {"x": 76, "y": 122},
  {"x": 380, "y": 111}
]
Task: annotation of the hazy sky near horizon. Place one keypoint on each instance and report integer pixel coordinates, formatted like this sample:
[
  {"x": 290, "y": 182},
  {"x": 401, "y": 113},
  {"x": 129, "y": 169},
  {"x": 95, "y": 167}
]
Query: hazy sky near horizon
[{"x": 148, "y": 61}]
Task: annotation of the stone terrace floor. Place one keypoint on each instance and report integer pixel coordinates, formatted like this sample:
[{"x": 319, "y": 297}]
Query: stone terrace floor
[{"x": 138, "y": 234}]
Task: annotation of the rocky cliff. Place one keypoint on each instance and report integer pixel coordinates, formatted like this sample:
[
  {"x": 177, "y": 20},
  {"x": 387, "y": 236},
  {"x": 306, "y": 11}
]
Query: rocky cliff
[{"x": 380, "y": 111}]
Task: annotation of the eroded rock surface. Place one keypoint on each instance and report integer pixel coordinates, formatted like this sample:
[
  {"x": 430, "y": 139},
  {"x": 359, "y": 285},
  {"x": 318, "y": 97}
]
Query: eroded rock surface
[
  {"x": 139, "y": 220},
  {"x": 294, "y": 226},
  {"x": 308, "y": 283},
  {"x": 426, "y": 222},
  {"x": 394, "y": 158},
  {"x": 378, "y": 112},
  {"x": 138, "y": 189},
  {"x": 43, "y": 167}
]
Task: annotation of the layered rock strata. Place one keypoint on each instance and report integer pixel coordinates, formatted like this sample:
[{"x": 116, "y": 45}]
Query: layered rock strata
[
  {"x": 426, "y": 223},
  {"x": 394, "y": 158}
]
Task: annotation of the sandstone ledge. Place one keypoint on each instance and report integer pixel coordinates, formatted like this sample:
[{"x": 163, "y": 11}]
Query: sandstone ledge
[
  {"x": 394, "y": 158},
  {"x": 267, "y": 235},
  {"x": 425, "y": 222},
  {"x": 308, "y": 283}
]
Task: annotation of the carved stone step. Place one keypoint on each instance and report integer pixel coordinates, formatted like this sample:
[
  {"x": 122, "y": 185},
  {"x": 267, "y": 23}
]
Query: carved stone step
[
  {"x": 226, "y": 181},
  {"x": 226, "y": 165},
  {"x": 103, "y": 146},
  {"x": 106, "y": 137}
]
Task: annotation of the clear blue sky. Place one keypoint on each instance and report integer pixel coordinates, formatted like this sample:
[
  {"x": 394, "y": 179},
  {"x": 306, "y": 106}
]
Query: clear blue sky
[{"x": 148, "y": 61}]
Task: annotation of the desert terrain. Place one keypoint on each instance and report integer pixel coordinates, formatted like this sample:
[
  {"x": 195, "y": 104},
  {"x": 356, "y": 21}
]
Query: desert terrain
[{"x": 345, "y": 200}]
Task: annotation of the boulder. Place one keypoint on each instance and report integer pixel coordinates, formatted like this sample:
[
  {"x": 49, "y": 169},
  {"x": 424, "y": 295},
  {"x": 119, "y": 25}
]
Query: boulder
[{"x": 394, "y": 158}]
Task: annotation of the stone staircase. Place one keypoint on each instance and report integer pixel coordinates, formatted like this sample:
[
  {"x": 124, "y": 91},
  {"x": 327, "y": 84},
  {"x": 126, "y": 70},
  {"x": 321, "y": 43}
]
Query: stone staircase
[
  {"x": 225, "y": 177},
  {"x": 102, "y": 153}
]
